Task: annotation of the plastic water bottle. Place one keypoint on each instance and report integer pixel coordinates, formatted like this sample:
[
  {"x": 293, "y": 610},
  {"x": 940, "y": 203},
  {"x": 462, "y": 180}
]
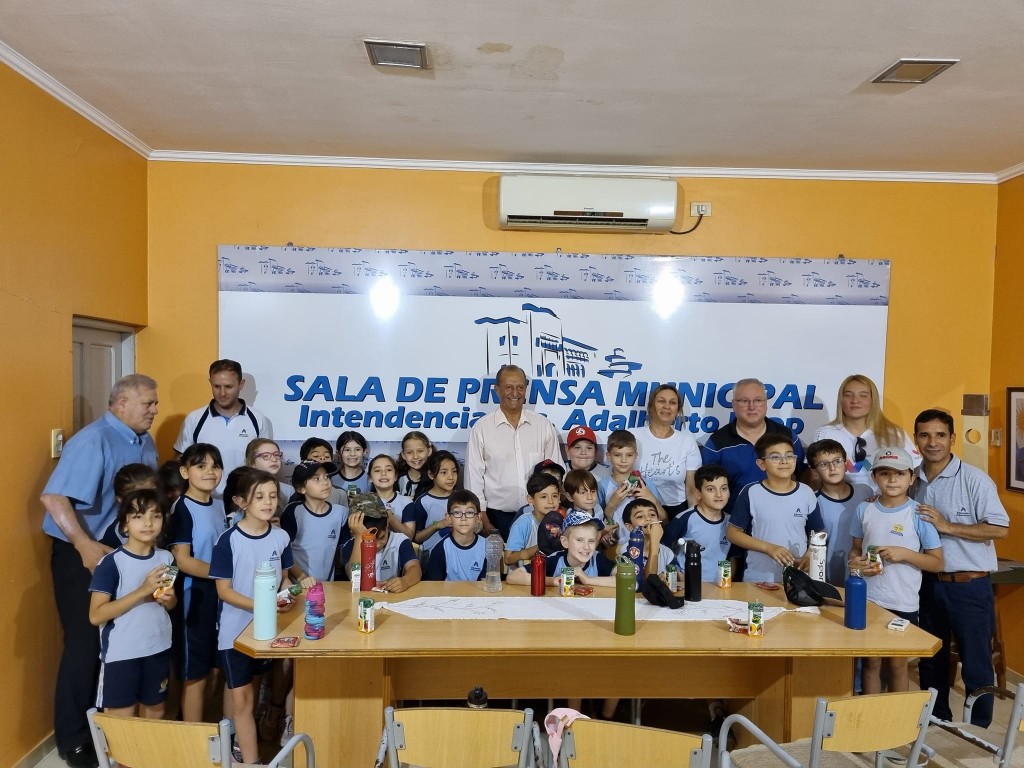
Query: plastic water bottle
[
  {"x": 692, "y": 571},
  {"x": 625, "y": 596},
  {"x": 855, "y": 615},
  {"x": 264, "y": 598},
  {"x": 494, "y": 547}
]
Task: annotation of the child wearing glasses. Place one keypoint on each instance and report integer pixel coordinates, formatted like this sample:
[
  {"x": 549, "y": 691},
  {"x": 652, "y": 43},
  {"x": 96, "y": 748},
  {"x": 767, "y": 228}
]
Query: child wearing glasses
[
  {"x": 838, "y": 499},
  {"x": 397, "y": 568},
  {"x": 460, "y": 556},
  {"x": 266, "y": 455},
  {"x": 773, "y": 518}
]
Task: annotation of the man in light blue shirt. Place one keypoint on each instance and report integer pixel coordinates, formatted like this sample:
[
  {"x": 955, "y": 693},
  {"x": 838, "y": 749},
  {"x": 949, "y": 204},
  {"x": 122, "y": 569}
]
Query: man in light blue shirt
[{"x": 80, "y": 504}]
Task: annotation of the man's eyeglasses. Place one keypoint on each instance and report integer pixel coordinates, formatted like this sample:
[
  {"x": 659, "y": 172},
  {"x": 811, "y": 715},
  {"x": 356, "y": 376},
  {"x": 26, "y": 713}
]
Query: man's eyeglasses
[
  {"x": 463, "y": 515},
  {"x": 268, "y": 455},
  {"x": 823, "y": 465},
  {"x": 860, "y": 450},
  {"x": 745, "y": 402},
  {"x": 780, "y": 458}
]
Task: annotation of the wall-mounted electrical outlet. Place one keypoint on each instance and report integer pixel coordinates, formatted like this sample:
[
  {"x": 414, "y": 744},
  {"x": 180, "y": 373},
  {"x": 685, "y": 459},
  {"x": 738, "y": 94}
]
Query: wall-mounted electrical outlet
[
  {"x": 700, "y": 209},
  {"x": 56, "y": 443}
]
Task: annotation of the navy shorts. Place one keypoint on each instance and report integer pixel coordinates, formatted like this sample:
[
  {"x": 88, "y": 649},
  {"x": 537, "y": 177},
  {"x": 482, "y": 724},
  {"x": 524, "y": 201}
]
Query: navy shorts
[
  {"x": 195, "y": 629},
  {"x": 239, "y": 669},
  {"x": 134, "y": 681}
]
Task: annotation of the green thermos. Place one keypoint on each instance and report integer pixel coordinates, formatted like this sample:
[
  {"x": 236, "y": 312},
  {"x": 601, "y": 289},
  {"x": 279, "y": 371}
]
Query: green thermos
[{"x": 625, "y": 596}]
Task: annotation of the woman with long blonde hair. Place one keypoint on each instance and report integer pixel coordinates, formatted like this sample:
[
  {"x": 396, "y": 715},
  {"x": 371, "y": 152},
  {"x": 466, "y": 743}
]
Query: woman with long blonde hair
[{"x": 862, "y": 428}]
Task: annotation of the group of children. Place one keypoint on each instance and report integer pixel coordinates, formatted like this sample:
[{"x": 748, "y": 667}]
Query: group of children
[{"x": 426, "y": 526}]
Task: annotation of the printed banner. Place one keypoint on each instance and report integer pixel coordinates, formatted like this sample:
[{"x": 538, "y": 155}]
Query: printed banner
[{"x": 594, "y": 333}]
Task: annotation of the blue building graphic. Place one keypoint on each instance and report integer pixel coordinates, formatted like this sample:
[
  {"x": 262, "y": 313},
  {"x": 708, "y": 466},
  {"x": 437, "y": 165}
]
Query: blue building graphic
[{"x": 535, "y": 342}]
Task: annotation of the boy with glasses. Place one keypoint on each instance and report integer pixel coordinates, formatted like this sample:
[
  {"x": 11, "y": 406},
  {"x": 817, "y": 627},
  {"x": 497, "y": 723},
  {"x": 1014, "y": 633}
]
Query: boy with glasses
[
  {"x": 773, "y": 518},
  {"x": 462, "y": 555},
  {"x": 838, "y": 500}
]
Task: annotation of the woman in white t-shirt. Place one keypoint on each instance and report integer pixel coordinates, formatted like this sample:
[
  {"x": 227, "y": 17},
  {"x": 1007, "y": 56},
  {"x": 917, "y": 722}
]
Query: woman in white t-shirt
[
  {"x": 862, "y": 428},
  {"x": 666, "y": 457}
]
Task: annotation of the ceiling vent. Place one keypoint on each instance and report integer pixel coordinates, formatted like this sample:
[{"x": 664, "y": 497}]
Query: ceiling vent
[
  {"x": 388, "y": 53},
  {"x": 914, "y": 71},
  {"x": 586, "y": 203}
]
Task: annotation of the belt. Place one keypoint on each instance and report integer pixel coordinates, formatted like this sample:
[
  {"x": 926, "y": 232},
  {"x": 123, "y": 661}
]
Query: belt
[{"x": 960, "y": 577}]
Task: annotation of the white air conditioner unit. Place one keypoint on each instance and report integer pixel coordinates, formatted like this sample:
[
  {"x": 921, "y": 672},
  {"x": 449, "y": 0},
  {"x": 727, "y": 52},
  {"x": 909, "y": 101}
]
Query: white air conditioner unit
[{"x": 586, "y": 203}]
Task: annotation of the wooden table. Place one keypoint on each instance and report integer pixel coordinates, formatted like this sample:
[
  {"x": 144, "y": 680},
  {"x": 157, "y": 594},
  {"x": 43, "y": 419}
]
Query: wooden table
[{"x": 344, "y": 681}]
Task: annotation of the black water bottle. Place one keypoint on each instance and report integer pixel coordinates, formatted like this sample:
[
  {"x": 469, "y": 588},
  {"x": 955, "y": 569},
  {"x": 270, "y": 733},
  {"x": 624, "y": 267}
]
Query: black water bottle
[{"x": 692, "y": 571}]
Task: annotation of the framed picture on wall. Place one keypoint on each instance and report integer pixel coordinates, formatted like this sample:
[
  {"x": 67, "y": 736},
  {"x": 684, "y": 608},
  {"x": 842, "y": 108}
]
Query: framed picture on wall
[{"x": 1015, "y": 439}]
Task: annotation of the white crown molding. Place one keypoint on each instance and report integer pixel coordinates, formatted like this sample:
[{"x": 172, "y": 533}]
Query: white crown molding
[
  {"x": 66, "y": 96},
  {"x": 566, "y": 168},
  {"x": 1010, "y": 173}
]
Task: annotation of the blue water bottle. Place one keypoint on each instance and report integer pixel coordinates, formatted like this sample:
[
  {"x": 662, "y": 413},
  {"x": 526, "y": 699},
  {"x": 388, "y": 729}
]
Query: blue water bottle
[
  {"x": 856, "y": 613},
  {"x": 635, "y": 552}
]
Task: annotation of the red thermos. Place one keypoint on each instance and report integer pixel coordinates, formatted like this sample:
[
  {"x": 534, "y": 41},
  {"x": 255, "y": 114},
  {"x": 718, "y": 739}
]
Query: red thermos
[
  {"x": 368, "y": 561},
  {"x": 538, "y": 570}
]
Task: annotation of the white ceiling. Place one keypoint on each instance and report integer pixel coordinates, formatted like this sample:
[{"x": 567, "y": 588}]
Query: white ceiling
[{"x": 675, "y": 83}]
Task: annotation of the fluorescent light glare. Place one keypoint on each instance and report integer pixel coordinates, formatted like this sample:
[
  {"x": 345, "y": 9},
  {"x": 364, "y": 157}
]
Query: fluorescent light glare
[
  {"x": 667, "y": 295},
  {"x": 384, "y": 298}
]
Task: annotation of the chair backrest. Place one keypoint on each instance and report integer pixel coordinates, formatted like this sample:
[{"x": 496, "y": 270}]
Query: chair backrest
[
  {"x": 588, "y": 743},
  {"x": 871, "y": 723},
  {"x": 144, "y": 743},
  {"x": 458, "y": 737}
]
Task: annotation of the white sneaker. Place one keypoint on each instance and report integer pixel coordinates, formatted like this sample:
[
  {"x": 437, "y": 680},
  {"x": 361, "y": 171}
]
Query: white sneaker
[{"x": 289, "y": 729}]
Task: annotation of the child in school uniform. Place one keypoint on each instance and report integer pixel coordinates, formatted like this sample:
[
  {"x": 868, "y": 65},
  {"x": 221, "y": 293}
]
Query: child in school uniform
[
  {"x": 397, "y": 567},
  {"x": 773, "y": 518},
  {"x": 383, "y": 472},
  {"x": 705, "y": 522},
  {"x": 313, "y": 524},
  {"x": 624, "y": 482},
  {"x": 581, "y": 448},
  {"x": 130, "y": 477},
  {"x": 196, "y": 521},
  {"x": 429, "y": 512},
  {"x": 237, "y": 554},
  {"x": 129, "y": 602},
  {"x": 267, "y": 455},
  {"x": 460, "y": 556},
  {"x": 838, "y": 499},
  {"x": 542, "y": 493},
  {"x": 351, "y": 452},
  {"x": 412, "y": 463},
  {"x": 580, "y": 536},
  {"x": 319, "y": 450},
  {"x": 906, "y": 545},
  {"x": 642, "y": 514}
]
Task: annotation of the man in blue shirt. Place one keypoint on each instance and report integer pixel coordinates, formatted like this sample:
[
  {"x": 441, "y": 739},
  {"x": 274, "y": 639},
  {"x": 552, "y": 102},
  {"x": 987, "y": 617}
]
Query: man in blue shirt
[{"x": 80, "y": 504}]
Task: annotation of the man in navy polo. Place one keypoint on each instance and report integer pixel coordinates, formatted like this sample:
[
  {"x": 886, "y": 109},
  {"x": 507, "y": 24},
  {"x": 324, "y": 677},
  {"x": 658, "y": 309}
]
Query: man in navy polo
[
  {"x": 227, "y": 422},
  {"x": 962, "y": 503},
  {"x": 80, "y": 504}
]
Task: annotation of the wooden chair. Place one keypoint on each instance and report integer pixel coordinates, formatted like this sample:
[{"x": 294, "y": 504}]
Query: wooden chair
[
  {"x": 457, "y": 737},
  {"x": 594, "y": 743},
  {"x": 962, "y": 745},
  {"x": 857, "y": 724},
  {"x": 144, "y": 743}
]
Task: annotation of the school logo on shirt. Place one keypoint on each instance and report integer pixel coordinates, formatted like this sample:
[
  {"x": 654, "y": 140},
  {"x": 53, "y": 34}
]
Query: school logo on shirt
[
  {"x": 897, "y": 529},
  {"x": 333, "y": 534},
  {"x": 963, "y": 512},
  {"x": 244, "y": 433},
  {"x": 799, "y": 512},
  {"x": 384, "y": 563},
  {"x": 475, "y": 564}
]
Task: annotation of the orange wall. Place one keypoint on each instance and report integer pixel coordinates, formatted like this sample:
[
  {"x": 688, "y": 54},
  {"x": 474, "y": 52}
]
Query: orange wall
[
  {"x": 940, "y": 238},
  {"x": 1008, "y": 371},
  {"x": 72, "y": 242}
]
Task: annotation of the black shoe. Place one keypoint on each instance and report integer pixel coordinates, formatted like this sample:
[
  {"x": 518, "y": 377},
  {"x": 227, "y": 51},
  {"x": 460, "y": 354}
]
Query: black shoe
[{"x": 83, "y": 756}]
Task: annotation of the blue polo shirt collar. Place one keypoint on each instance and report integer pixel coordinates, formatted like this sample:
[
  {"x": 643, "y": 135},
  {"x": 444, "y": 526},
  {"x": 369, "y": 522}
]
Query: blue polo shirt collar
[{"x": 124, "y": 430}]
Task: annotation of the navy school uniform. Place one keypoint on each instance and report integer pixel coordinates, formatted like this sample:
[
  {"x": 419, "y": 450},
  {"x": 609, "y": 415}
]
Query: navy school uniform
[
  {"x": 425, "y": 510},
  {"x": 315, "y": 537},
  {"x": 350, "y": 486},
  {"x": 710, "y": 534},
  {"x": 450, "y": 561},
  {"x": 390, "y": 561}
]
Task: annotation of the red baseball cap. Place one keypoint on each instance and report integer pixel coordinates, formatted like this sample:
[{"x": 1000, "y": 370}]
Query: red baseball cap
[{"x": 580, "y": 433}]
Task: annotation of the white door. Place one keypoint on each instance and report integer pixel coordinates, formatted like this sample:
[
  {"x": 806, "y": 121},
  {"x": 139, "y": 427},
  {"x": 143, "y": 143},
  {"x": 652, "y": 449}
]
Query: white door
[{"x": 101, "y": 354}]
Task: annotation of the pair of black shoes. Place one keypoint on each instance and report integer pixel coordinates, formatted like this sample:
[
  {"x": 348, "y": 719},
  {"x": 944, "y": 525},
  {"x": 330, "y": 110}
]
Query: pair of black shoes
[{"x": 82, "y": 756}]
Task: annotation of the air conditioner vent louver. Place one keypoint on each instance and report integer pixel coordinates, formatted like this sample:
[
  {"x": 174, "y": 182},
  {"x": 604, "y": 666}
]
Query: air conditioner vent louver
[{"x": 586, "y": 203}]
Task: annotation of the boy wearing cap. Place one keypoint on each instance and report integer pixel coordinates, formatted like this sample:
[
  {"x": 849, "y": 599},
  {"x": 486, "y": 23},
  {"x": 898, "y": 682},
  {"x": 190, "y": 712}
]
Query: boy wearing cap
[
  {"x": 580, "y": 534},
  {"x": 581, "y": 448},
  {"x": 906, "y": 545},
  {"x": 461, "y": 556},
  {"x": 314, "y": 524},
  {"x": 397, "y": 566}
]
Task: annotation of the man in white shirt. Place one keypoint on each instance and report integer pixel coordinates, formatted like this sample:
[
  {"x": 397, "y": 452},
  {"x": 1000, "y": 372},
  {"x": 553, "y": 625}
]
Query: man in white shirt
[
  {"x": 227, "y": 422},
  {"x": 503, "y": 449}
]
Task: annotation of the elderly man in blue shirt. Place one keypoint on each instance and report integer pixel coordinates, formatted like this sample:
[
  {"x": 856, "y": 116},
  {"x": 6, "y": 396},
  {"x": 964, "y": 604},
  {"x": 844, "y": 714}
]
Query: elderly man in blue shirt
[{"x": 80, "y": 504}]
